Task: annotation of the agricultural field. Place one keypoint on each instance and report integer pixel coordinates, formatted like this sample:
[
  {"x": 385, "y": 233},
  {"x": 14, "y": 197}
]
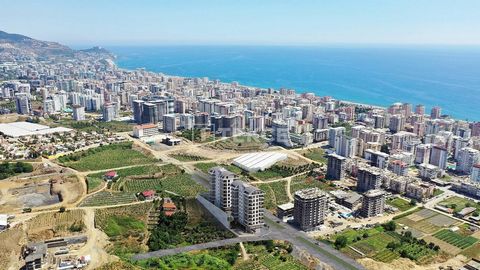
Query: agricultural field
[
  {"x": 94, "y": 184},
  {"x": 108, "y": 198},
  {"x": 375, "y": 246},
  {"x": 180, "y": 184},
  {"x": 400, "y": 204},
  {"x": 424, "y": 222},
  {"x": 240, "y": 143},
  {"x": 275, "y": 194},
  {"x": 206, "y": 166},
  {"x": 455, "y": 239},
  {"x": 105, "y": 157},
  {"x": 266, "y": 258},
  {"x": 187, "y": 157},
  {"x": 458, "y": 203},
  {"x": 317, "y": 154},
  {"x": 55, "y": 224}
]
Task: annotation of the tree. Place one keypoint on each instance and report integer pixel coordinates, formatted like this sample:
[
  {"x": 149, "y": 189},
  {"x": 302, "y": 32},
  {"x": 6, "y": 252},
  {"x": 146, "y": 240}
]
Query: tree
[
  {"x": 341, "y": 242},
  {"x": 62, "y": 209},
  {"x": 413, "y": 202},
  {"x": 385, "y": 149},
  {"x": 390, "y": 226},
  {"x": 365, "y": 235}
]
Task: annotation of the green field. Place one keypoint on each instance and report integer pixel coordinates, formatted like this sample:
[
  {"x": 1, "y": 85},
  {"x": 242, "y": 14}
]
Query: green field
[
  {"x": 105, "y": 157},
  {"x": 375, "y": 246},
  {"x": 108, "y": 198},
  {"x": 93, "y": 184},
  {"x": 302, "y": 182},
  {"x": 401, "y": 204},
  {"x": 458, "y": 203},
  {"x": 275, "y": 194},
  {"x": 455, "y": 239},
  {"x": 206, "y": 166},
  {"x": 187, "y": 157},
  {"x": 317, "y": 154},
  {"x": 180, "y": 184}
]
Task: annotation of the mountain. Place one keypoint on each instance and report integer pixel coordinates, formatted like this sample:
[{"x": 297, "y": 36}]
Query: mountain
[{"x": 15, "y": 47}]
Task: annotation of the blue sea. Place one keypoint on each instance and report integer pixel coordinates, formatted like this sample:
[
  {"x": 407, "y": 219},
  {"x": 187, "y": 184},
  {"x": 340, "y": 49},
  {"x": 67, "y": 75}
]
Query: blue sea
[{"x": 434, "y": 76}]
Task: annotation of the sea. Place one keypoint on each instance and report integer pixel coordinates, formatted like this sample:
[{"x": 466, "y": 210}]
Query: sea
[{"x": 445, "y": 76}]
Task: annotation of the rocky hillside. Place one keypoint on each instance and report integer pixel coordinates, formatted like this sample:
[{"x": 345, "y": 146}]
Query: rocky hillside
[{"x": 14, "y": 47}]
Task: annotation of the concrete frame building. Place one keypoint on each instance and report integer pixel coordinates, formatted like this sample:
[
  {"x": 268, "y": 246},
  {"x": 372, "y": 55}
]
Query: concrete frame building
[
  {"x": 373, "y": 203},
  {"x": 221, "y": 187},
  {"x": 310, "y": 206},
  {"x": 247, "y": 205},
  {"x": 335, "y": 167},
  {"x": 368, "y": 178}
]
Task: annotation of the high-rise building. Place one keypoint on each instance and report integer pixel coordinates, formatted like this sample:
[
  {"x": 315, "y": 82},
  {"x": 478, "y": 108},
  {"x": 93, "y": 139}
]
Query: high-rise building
[
  {"x": 347, "y": 146},
  {"x": 78, "y": 112},
  {"x": 368, "y": 178},
  {"x": 169, "y": 123},
  {"x": 335, "y": 167},
  {"x": 436, "y": 112},
  {"x": 438, "y": 157},
  {"x": 22, "y": 103},
  {"x": 422, "y": 153},
  {"x": 373, "y": 203},
  {"x": 320, "y": 121},
  {"x": 420, "y": 109},
  {"x": 247, "y": 205},
  {"x": 475, "y": 175},
  {"x": 467, "y": 157},
  {"x": 109, "y": 112},
  {"x": 334, "y": 134},
  {"x": 221, "y": 187},
  {"x": 137, "y": 110},
  {"x": 149, "y": 113},
  {"x": 281, "y": 134},
  {"x": 397, "y": 123},
  {"x": 310, "y": 206},
  {"x": 476, "y": 129}
]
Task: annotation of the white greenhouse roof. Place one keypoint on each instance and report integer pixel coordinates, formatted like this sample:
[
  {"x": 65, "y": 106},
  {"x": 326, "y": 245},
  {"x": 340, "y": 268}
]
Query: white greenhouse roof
[
  {"x": 20, "y": 129},
  {"x": 253, "y": 162}
]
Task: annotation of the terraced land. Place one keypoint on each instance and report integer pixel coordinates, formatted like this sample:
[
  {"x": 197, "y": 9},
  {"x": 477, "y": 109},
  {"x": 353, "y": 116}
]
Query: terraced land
[
  {"x": 103, "y": 198},
  {"x": 180, "y": 184}
]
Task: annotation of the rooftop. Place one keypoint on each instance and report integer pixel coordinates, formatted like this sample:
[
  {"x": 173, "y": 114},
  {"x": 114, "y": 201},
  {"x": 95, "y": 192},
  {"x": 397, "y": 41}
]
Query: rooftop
[{"x": 20, "y": 129}]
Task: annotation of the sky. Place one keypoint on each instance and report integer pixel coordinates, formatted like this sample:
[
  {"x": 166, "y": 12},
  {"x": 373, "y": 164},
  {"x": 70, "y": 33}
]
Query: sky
[{"x": 244, "y": 22}]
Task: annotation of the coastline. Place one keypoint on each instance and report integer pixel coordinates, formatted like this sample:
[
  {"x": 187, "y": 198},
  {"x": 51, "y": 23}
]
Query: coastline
[{"x": 326, "y": 75}]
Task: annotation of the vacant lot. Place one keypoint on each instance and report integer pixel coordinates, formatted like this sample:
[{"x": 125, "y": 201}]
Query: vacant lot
[
  {"x": 458, "y": 203},
  {"x": 55, "y": 224},
  {"x": 401, "y": 204},
  {"x": 240, "y": 143},
  {"x": 275, "y": 194},
  {"x": 317, "y": 154},
  {"x": 106, "y": 157}
]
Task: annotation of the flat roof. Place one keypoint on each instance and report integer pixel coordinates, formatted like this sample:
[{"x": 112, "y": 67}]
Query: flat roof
[{"x": 19, "y": 129}]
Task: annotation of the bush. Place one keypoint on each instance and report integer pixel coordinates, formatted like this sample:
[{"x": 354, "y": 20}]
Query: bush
[
  {"x": 340, "y": 242},
  {"x": 390, "y": 226}
]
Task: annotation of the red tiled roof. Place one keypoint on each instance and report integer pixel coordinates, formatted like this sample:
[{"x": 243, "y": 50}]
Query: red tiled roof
[
  {"x": 148, "y": 193},
  {"x": 111, "y": 174}
]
